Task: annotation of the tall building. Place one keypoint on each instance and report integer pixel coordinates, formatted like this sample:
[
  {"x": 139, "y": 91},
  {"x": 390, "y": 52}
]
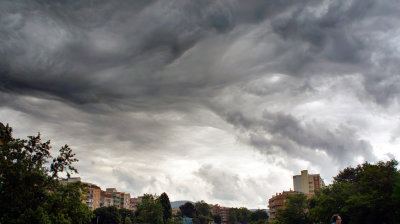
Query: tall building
[
  {"x": 93, "y": 196},
  {"x": 277, "y": 202},
  {"x": 307, "y": 183},
  {"x": 119, "y": 199}
]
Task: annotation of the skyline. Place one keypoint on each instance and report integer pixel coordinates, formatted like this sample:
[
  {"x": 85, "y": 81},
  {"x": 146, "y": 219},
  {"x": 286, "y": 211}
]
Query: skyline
[{"x": 222, "y": 101}]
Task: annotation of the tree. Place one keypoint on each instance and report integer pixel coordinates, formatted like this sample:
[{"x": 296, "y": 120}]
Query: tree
[
  {"x": 202, "y": 208},
  {"x": 239, "y": 215},
  {"x": 112, "y": 214},
  {"x": 175, "y": 220},
  {"x": 149, "y": 210},
  {"x": 30, "y": 188},
  {"x": 106, "y": 215},
  {"x": 328, "y": 201},
  {"x": 166, "y": 204},
  {"x": 217, "y": 219},
  {"x": 365, "y": 194},
  {"x": 294, "y": 211},
  {"x": 127, "y": 220},
  {"x": 258, "y": 216},
  {"x": 188, "y": 210},
  {"x": 126, "y": 215}
]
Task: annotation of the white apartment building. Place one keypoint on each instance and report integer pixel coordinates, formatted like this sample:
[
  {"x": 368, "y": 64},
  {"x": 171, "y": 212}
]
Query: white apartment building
[{"x": 307, "y": 183}]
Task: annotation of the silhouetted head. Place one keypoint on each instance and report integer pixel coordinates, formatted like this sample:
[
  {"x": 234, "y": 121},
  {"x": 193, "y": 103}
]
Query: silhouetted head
[{"x": 336, "y": 219}]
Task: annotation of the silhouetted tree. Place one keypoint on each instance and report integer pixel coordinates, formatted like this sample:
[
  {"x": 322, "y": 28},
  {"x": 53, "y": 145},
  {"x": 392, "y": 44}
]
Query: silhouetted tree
[
  {"x": 30, "y": 189},
  {"x": 166, "y": 204},
  {"x": 188, "y": 210}
]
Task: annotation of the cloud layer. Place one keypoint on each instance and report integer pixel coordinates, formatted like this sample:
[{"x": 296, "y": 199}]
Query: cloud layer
[{"x": 205, "y": 100}]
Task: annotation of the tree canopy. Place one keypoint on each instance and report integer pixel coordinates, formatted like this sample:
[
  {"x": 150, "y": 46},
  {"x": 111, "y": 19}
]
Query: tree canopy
[
  {"x": 188, "y": 210},
  {"x": 166, "y": 204},
  {"x": 368, "y": 193},
  {"x": 149, "y": 210},
  {"x": 365, "y": 194},
  {"x": 30, "y": 188}
]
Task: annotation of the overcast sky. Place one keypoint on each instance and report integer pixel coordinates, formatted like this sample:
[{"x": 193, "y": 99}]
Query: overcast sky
[{"x": 215, "y": 100}]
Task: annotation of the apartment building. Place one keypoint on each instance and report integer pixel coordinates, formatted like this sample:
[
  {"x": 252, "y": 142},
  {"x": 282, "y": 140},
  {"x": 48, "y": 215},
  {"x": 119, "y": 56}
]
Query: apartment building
[
  {"x": 119, "y": 199},
  {"x": 106, "y": 200},
  {"x": 96, "y": 198},
  {"x": 307, "y": 183},
  {"x": 277, "y": 202},
  {"x": 93, "y": 196},
  {"x": 134, "y": 202},
  {"x": 223, "y": 212}
]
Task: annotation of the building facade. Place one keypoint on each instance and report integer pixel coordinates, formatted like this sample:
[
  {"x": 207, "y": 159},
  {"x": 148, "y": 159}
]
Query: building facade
[
  {"x": 223, "y": 212},
  {"x": 96, "y": 198},
  {"x": 307, "y": 183},
  {"x": 134, "y": 202},
  {"x": 119, "y": 199},
  {"x": 93, "y": 196},
  {"x": 277, "y": 202}
]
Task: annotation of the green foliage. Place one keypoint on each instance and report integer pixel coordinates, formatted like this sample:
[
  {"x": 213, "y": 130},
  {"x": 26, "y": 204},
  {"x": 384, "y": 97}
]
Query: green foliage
[
  {"x": 217, "y": 219},
  {"x": 175, "y": 220},
  {"x": 328, "y": 201},
  {"x": 203, "y": 214},
  {"x": 188, "y": 210},
  {"x": 105, "y": 215},
  {"x": 365, "y": 194},
  {"x": 295, "y": 210},
  {"x": 239, "y": 215},
  {"x": 258, "y": 217},
  {"x": 112, "y": 214},
  {"x": 149, "y": 210},
  {"x": 166, "y": 204},
  {"x": 202, "y": 208},
  {"x": 31, "y": 191},
  {"x": 127, "y": 220},
  {"x": 126, "y": 215}
]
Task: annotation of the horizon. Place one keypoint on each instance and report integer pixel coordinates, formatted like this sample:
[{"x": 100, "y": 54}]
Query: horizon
[{"x": 222, "y": 101}]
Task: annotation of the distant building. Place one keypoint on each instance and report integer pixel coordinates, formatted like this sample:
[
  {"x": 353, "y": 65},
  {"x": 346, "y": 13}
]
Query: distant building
[
  {"x": 119, "y": 199},
  {"x": 277, "y": 202},
  {"x": 223, "y": 212},
  {"x": 93, "y": 196},
  {"x": 96, "y": 198},
  {"x": 70, "y": 180},
  {"x": 133, "y": 204},
  {"x": 106, "y": 200},
  {"x": 307, "y": 183}
]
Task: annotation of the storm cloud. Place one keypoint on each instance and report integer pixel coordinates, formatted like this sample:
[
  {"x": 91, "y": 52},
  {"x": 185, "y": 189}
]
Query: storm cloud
[{"x": 207, "y": 96}]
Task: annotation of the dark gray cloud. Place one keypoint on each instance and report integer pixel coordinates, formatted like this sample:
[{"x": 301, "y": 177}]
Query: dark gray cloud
[
  {"x": 276, "y": 131},
  {"x": 305, "y": 83}
]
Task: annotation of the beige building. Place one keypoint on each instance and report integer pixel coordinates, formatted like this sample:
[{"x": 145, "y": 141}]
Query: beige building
[
  {"x": 119, "y": 199},
  {"x": 307, "y": 183}
]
